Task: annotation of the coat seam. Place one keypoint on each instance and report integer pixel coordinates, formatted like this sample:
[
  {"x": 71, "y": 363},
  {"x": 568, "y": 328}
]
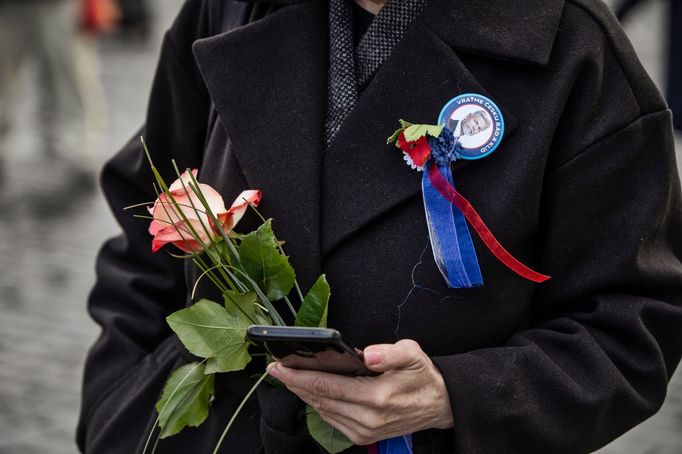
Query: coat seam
[
  {"x": 604, "y": 138},
  {"x": 609, "y": 38}
]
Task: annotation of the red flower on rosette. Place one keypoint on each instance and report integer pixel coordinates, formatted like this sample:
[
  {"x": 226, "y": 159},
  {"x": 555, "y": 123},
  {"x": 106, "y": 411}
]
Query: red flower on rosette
[
  {"x": 416, "y": 152},
  {"x": 182, "y": 219}
]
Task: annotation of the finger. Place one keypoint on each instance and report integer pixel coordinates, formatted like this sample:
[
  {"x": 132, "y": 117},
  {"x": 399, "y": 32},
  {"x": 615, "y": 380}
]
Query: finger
[
  {"x": 405, "y": 354},
  {"x": 333, "y": 406},
  {"x": 362, "y": 434},
  {"x": 323, "y": 384},
  {"x": 356, "y": 433},
  {"x": 360, "y": 418},
  {"x": 367, "y": 427}
]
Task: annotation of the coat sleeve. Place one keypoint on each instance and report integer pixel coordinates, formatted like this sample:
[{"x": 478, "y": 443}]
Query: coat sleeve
[
  {"x": 605, "y": 335},
  {"x": 136, "y": 289}
]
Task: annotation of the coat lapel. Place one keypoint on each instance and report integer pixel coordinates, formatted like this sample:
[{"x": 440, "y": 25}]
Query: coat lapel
[
  {"x": 268, "y": 83},
  {"x": 362, "y": 176}
]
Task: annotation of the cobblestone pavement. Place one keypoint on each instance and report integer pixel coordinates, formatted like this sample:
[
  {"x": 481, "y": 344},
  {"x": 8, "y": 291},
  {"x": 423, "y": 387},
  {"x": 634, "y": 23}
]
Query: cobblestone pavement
[{"x": 50, "y": 232}]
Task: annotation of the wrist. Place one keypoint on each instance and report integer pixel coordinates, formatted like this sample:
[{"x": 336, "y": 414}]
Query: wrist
[{"x": 443, "y": 417}]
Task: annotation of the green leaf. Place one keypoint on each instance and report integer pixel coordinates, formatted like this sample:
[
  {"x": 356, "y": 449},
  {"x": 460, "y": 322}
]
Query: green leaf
[
  {"x": 324, "y": 433},
  {"x": 394, "y": 137},
  {"x": 208, "y": 330},
  {"x": 185, "y": 399},
  {"x": 313, "y": 311},
  {"x": 241, "y": 306},
  {"x": 416, "y": 132},
  {"x": 244, "y": 306},
  {"x": 224, "y": 250},
  {"x": 404, "y": 124},
  {"x": 234, "y": 357},
  {"x": 263, "y": 262}
]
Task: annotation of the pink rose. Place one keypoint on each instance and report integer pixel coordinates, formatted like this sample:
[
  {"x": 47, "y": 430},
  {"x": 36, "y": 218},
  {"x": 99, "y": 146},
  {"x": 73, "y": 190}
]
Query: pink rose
[{"x": 169, "y": 226}]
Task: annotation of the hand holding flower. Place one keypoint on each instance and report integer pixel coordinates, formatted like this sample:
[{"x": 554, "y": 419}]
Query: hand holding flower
[{"x": 254, "y": 276}]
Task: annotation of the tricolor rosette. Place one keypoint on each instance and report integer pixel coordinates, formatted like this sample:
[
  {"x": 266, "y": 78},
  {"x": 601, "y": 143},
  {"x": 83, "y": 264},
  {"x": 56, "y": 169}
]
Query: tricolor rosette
[
  {"x": 433, "y": 148},
  {"x": 419, "y": 143}
]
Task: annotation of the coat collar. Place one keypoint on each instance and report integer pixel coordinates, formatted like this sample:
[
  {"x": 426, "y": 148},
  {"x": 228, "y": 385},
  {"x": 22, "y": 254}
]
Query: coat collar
[
  {"x": 268, "y": 83},
  {"x": 518, "y": 30}
]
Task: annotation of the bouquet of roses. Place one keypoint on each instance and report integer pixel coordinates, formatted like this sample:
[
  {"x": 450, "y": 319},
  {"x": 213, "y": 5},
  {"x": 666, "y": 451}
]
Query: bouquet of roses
[{"x": 255, "y": 279}]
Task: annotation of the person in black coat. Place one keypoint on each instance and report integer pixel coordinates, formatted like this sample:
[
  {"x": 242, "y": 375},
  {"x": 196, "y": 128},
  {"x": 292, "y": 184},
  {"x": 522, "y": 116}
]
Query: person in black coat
[{"x": 583, "y": 187}]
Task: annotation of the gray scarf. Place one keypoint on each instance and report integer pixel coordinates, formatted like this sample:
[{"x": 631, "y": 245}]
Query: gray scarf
[{"x": 351, "y": 68}]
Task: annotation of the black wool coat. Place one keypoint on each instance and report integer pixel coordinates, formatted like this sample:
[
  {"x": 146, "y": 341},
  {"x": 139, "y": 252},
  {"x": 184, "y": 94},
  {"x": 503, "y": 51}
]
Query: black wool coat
[{"x": 583, "y": 188}]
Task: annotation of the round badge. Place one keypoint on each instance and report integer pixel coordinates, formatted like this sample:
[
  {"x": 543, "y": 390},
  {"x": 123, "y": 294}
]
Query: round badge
[{"x": 476, "y": 122}]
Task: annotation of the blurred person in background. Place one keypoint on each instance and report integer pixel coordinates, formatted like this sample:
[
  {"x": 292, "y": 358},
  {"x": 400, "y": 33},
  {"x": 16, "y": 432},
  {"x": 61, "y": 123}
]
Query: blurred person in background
[
  {"x": 55, "y": 34},
  {"x": 674, "y": 81},
  {"x": 135, "y": 20}
]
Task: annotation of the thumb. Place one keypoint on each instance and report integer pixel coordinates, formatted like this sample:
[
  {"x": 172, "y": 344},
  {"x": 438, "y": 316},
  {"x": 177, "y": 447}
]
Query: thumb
[{"x": 405, "y": 354}]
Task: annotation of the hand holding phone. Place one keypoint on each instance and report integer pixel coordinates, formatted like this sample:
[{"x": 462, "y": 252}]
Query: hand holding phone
[{"x": 320, "y": 349}]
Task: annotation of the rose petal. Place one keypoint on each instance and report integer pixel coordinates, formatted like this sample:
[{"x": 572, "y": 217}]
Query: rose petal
[
  {"x": 166, "y": 213},
  {"x": 239, "y": 206},
  {"x": 213, "y": 199},
  {"x": 168, "y": 217},
  {"x": 188, "y": 246},
  {"x": 182, "y": 236},
  {"x": 184, "y": 178}
]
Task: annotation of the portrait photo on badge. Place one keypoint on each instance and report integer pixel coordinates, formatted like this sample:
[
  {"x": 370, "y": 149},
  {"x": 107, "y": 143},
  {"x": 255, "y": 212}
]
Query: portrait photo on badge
[{"x": 476, "y": 122}]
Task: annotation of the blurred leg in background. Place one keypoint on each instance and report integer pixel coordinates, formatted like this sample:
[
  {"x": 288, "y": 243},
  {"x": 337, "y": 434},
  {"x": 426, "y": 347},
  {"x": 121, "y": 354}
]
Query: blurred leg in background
[
  {"x": 72, "y": 114},
  {"x": 73, "y": 103},
  {"x": 13, "y": 47},
  {"x": 135, "y": 24}
]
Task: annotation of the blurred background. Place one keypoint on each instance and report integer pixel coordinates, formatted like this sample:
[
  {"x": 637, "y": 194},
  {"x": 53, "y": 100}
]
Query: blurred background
[{"x": 75, "y": 77}]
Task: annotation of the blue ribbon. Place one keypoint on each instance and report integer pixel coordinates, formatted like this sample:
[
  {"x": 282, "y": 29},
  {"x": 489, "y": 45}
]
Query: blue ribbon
[
  {"x": 451, "y": 241},
  {"x": 396, "y": 445}
]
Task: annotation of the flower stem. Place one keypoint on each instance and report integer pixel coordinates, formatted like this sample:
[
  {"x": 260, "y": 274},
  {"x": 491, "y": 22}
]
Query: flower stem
[
  {"x": 205, "y": 269},
  {"x": 218, "y": 225},
  {"x": 156, "y": 443},
  {"x": 217, "y": 261},
  {"x": 162, "y": 184},
  {"x": 156, "y": 421},
  {"x": 184, "y": 188},
  {"x": 276, "y": 318},
  {"x": 239, "y": 409},
  {"x": 291, "y": 306}
]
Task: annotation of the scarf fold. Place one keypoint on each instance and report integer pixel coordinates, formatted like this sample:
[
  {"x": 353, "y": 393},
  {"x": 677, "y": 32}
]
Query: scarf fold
[{"x": 350, "y": 70}]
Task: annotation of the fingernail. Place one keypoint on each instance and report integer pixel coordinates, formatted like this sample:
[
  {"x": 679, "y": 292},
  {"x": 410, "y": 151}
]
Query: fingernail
[{"x": 372, "y": 357}]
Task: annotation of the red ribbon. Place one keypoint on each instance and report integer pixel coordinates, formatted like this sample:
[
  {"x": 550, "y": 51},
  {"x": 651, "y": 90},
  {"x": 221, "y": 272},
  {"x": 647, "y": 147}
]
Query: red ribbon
[{"x": 451, "y": 194}]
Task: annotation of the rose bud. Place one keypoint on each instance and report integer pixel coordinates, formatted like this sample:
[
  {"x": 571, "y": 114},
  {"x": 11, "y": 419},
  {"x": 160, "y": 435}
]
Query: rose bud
[{"x": 169, "y": 225}]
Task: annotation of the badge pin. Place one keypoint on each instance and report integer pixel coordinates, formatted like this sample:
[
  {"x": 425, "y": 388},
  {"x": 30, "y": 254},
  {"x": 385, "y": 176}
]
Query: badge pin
[
  {"x": 470, "y": 126},
  {"x": 476, "y": 122}
]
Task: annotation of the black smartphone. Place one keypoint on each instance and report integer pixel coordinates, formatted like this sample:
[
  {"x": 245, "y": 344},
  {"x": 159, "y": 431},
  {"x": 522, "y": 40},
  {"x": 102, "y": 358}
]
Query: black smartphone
[{"x": 320, "y": 349}]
